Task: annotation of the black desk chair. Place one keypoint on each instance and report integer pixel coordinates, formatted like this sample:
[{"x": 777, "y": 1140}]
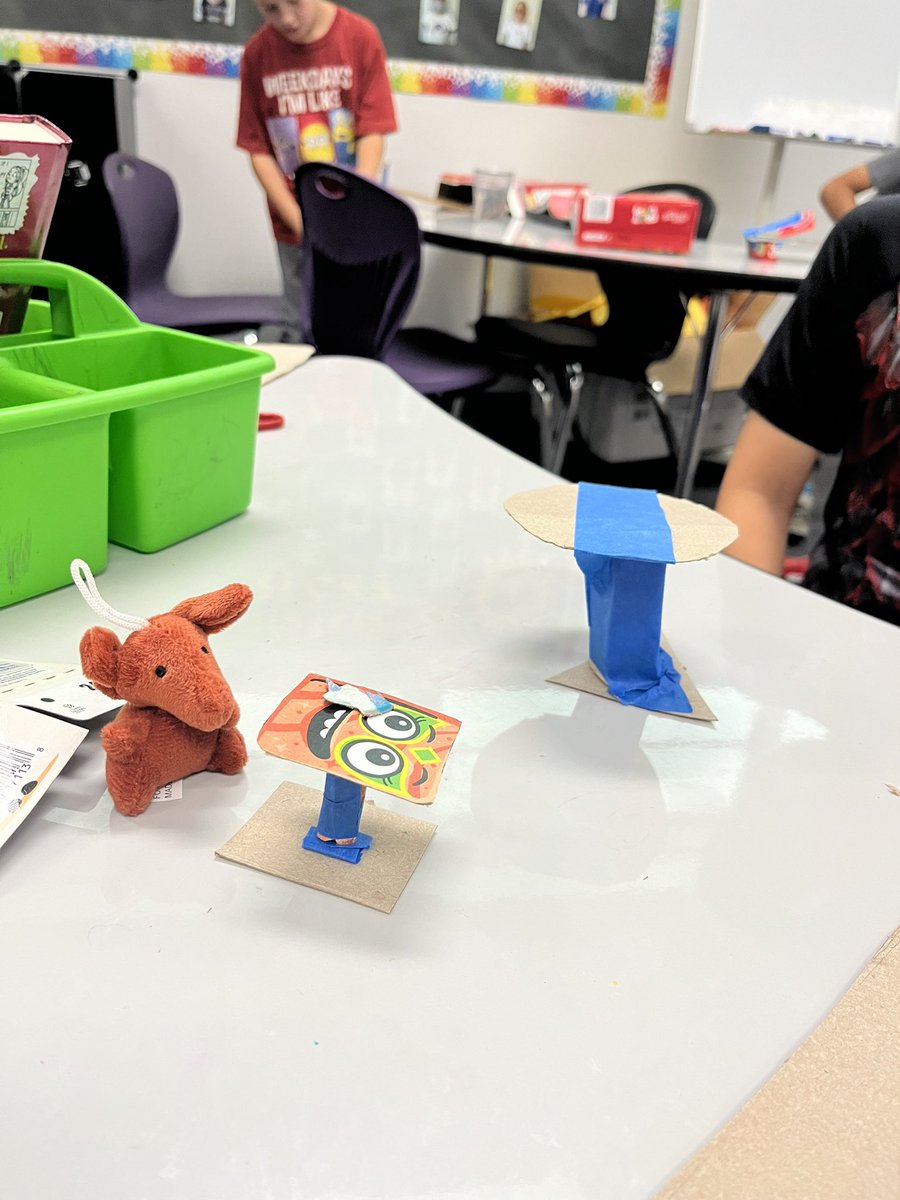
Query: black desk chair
[
  {"x": 644, "y": 326},
  {"x": 364, "y": 252}
]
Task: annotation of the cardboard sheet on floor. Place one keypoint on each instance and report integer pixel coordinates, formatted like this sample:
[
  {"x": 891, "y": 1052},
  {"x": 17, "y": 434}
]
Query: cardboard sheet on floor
[
  {"x": 827, "y": 1124},
  {"x": 271, "y": 841},
  {"x": 586, "y": 678}
]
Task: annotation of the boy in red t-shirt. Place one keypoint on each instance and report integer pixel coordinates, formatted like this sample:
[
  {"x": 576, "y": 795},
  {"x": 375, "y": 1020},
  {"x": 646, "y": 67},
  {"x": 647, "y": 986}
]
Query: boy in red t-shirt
[{"x": 314, "y": 88}]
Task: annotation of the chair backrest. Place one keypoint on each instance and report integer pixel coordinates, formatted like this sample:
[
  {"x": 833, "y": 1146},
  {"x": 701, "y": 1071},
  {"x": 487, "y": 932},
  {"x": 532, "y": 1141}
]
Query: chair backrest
[
  {"x": 646, "y": 319},
  {"x": 146, "y": 207},
  {"x": 364, "y": 252},
  {"x": 707, "y": 204}
]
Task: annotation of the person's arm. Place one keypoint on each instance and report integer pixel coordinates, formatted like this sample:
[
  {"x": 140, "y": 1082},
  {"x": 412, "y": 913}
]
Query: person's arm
[
  {"x": 277, "y": 190},
  {"x": 765, "y": 476},
  {"x": 838, "y": 196},
  {"x": 369, "y": 153}
]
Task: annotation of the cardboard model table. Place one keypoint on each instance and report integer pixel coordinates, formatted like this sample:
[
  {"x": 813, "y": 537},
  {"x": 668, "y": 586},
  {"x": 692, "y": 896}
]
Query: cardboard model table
[
  {"x": 623, "y": 539},
  {"x": 400, "y": 750}
]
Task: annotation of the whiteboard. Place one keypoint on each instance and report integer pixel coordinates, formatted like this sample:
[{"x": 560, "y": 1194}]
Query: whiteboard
[{"x": 798, "y": 68}]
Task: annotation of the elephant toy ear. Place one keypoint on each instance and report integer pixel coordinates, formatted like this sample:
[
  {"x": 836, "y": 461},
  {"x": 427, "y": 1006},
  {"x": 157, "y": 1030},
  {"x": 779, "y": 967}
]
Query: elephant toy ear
[
  {"x": 215, "y": 611},
  {"x": 100, "y": 659}
]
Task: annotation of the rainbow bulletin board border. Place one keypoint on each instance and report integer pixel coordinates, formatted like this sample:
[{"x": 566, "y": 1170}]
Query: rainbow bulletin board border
[{"x": 407, "y": 77}]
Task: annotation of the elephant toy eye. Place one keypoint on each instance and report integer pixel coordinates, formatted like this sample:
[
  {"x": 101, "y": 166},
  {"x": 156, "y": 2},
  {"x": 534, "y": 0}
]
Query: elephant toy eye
[
  {"x": 204, "y": 649},
  {"x": 160, "y": 671}
]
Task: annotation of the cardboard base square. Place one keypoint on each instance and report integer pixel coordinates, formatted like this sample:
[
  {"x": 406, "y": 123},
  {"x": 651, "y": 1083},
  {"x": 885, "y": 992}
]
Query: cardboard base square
[
  {"x": 586, "y": 678},
  {"x": 271, "y": 841}
]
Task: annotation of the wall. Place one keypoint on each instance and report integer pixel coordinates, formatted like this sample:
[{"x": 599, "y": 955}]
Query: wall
[{"x": 187, "y": 125}]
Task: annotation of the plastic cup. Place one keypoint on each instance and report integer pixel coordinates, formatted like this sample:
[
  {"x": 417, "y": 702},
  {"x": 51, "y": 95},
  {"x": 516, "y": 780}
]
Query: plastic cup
[{"x": 489, "y": 192}]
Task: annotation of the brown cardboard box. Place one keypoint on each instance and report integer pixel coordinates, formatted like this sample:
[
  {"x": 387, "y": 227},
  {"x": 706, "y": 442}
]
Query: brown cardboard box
[
  {"x": 746, "y": 308},
  {"x": 738, "y": 354}
]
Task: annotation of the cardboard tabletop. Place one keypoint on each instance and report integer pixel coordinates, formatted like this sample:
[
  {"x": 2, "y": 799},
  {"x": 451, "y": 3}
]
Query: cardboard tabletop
[{"x": 550, "y": 514}]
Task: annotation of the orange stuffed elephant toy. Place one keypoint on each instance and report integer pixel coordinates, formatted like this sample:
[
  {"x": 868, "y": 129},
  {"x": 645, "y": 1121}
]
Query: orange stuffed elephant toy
[{"x": 180, "y": 716}]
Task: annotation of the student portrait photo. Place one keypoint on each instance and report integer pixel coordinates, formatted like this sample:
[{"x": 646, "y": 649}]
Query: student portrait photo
[
  {"x": 519, "y": 24},
  {"x": 214, "y": 12},
  {"x": 438, "y": 22},
  {"x": 604, "y": 9}
]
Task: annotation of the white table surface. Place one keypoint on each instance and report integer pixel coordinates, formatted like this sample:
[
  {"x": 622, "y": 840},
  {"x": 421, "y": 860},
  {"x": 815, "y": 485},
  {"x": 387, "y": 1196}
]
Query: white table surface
[
  {"x": 623, "y": 926},
  {"x": 716, "y": 263}
]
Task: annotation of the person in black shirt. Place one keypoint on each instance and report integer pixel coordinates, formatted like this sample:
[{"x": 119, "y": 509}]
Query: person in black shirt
[{"x": 829, "y": 382}]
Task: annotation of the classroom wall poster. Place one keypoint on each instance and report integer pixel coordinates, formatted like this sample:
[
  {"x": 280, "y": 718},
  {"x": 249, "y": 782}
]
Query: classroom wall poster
[{"x": 408, "y": 77}]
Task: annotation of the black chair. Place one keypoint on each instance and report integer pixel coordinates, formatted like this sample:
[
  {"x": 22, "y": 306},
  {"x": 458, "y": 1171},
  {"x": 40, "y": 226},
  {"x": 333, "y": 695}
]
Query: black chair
[
  {"x": 364, "y": 249},
  {"x": 644, "y": 326}
]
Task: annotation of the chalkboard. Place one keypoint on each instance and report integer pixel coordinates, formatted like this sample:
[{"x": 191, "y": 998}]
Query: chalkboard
[
  {"x": 804, "y": 68},
  {"x": 566, "y": 44},
  {"x": 170, "y": 19}
]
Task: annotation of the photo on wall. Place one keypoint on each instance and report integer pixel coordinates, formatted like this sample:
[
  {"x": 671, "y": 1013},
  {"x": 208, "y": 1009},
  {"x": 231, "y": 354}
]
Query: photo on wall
[
  {"x": 214, "y": 12},
  {"x": 604, "y": 9},
  {"x": 438, "y": 22},
  {"x": 519, "y": 20}
]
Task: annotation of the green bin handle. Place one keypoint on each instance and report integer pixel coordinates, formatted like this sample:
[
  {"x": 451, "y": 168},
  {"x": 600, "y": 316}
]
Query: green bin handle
[{"x": 79, "y": 303}]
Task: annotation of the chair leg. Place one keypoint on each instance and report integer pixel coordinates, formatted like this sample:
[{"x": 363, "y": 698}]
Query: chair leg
[
  {"x": 543, "y": 397},
  {"x": 575, "y": 376},
  {"x": 457, "y": 406}
]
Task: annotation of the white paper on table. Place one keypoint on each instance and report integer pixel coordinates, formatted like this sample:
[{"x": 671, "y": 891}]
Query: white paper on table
[
  {"x": 56, "y": 688},
  {"x": 33, "y": 750}
]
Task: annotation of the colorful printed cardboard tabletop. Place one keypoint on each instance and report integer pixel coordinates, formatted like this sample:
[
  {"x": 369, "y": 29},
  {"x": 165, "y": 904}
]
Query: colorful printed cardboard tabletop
[
  {"x": 618, "y": 522},
  {"x": 401, "y": 752}
]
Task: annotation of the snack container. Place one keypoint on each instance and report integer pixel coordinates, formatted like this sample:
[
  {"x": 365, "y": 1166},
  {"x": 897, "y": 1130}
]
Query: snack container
[{"x": 33, "y": 156}]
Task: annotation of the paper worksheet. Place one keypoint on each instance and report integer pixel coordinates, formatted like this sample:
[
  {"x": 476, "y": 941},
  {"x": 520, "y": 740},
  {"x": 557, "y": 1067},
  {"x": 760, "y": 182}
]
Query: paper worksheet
[{"x": 33, "y": 750}]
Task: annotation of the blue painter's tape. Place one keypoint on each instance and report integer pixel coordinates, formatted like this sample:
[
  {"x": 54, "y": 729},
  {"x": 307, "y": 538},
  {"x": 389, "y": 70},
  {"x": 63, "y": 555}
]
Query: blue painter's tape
[
  {"x": 624, "y": 602},
  {"x": 350, "y": 854},
  {"x": 622, "y": 523},
  {"x": 341, "y": 809}
]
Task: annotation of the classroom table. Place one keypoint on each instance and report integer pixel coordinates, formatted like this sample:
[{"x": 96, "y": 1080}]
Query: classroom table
[
  {"x": 623, "y": 925},
  {"x": 710, "y": 267}
]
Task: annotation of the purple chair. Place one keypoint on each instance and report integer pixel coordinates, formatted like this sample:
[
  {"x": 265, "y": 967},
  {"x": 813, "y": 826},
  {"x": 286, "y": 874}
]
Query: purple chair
[
  {"x": 362, "y": 267},
  {"x": 146, "y": 207}
]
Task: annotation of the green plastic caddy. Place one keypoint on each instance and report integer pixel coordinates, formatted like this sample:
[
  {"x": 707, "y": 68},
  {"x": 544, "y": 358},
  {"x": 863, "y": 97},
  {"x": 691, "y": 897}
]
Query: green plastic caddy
[{"x": 111, "y": 430}]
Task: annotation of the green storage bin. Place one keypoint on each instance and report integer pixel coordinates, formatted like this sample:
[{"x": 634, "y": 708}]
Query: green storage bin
[{"x": 111, "y": 428}]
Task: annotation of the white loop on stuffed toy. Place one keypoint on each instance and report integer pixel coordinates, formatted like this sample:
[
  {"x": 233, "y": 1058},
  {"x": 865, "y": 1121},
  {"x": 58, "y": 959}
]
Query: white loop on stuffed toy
[{"x": 84, "y": 581}]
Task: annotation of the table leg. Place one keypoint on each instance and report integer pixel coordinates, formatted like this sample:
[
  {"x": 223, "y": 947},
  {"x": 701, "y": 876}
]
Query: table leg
[
  {"x": 689, "y": 452},
  {"x": 487, "y": 285}
]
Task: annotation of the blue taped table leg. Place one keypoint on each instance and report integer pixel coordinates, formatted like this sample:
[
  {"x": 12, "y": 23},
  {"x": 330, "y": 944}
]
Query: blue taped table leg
[
  {"x": 624, "y": 600},
  {"x": 341, "y": 809}
]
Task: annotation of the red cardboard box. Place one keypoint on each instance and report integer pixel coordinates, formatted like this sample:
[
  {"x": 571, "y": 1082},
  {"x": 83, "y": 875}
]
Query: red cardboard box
[
  {"x": 32, "y": 162},
  {"x": 649, "y": 221}
]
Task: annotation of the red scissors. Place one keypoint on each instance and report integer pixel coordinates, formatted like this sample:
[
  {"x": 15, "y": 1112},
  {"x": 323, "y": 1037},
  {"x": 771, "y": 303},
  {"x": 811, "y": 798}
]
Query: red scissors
[{"x": 270, "y": 421}]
